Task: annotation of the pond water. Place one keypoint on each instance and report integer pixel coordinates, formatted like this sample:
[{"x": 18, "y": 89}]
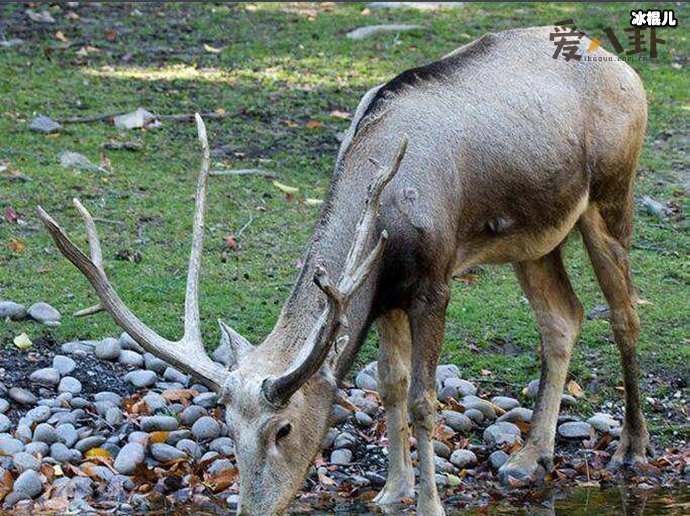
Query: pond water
[{"x": 578, "y": 501}]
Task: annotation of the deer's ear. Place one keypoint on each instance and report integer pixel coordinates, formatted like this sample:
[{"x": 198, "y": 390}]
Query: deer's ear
[{"x": 232, "y": 346}]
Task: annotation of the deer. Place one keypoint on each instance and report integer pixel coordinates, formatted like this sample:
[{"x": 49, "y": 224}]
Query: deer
[{"x": 493, "y": 154}]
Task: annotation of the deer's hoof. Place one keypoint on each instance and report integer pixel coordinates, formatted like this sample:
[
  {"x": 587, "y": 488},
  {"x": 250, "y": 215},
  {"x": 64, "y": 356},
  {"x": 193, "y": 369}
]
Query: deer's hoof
[
  {"x": 395, "y": 493},
  {"x": 524, "y": 468}
]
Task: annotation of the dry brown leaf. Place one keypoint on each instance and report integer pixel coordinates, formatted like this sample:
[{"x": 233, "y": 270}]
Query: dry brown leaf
[
  {"x": 575, "y": 389},
  {"x": 158, "y": 437},
  {"x": 179, "y": 394},
  {"x": 60, "y": 36},
  {"x": 98, "y": 452},
  {"x": 16, "y": 246},
  {"x": 342, "y": 115},
  {"x": 326, "y": 481},
  {"x": 313, "y": 124}
]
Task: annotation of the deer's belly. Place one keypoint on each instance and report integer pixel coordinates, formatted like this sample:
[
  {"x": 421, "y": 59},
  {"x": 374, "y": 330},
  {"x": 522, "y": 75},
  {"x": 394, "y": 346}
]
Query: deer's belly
[{"x": 520, "y": 245}]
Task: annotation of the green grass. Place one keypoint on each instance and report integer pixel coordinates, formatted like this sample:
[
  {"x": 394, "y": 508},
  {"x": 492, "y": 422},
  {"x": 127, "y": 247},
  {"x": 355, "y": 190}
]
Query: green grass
[{"x": 280, "y": 67}]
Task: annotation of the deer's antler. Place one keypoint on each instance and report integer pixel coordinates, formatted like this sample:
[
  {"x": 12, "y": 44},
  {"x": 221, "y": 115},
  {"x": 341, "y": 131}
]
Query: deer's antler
[
  {"x": 332, "y": 321},
  {"x": 188, "y": 353}
]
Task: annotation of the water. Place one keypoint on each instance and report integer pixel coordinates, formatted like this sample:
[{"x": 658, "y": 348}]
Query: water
[{"x": 578, "y": 501}]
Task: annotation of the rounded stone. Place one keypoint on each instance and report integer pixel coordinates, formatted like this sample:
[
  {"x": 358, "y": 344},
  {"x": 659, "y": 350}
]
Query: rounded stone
[
  {"x": 446, "y": 371},
  {"x": 206, "y": 428},
  {"x": 70, "y": 384},
  {"x": 206, "y": 399},
  {"x": 532, "y": 389},
  {"x": 44, "y": 313},
  {"x": 155, "y": 402},
  {"x": 502, "y": 433},
  {"x": 114, "y": 416},
  {"x": 602, "y": 423},
  {"x": 112, "y": 397},
  {"x": 27, "y": 486},
  {"x": 341, "y": 457},
  {"x": 441, "y": 449},
  {"x": 5, "y": 423},
  {"x": 443, "y": 466},
  {"x": 364, "y": 419},
  {"x": 37, "y": 449},
  {"x": 190, "y": 448},
  {"x": 498, "y": 459},
  {"x": 141, "y": 378},
  {"x": 517, "y": 414},
  {"x": 505, "y": 402},
  {"x": 130, "y": 456},
  {"x": 223, "y": 445},
  {"x": 63, "y": 454},
  {"x": 173, "y": 375},
  {"x": 10, "y": 446},
  {"x": 45, "y": 433},
  {"x": 48, "y": 376},
  {"x": 463, "y": 458},
  {"x": 22, "y": 396},
  {"x": 127, "y": 342},
  {"x": 88, "y": 443},
  {"x": 67, "y": 434},
  {"x": 131, "y": 358},
  {"x": 457, "y": 421},
  {"x": 108, "y": 349},
  {"x": 165, "y": 453},
  {"x": 464, "y": 388},
  {"x": 39, "y": 414},
  {"x": 12, "y": 310},
  {"x": 4, "y": 405},
  {"x": 576, "y": 430},
  {"x": 158, "y": 423},
  {"x": 153, "y": 363},
  {"x": 192, "y": 413},
  {"x": 24, "y": 461},
  {"x": 64, "y": 365}
]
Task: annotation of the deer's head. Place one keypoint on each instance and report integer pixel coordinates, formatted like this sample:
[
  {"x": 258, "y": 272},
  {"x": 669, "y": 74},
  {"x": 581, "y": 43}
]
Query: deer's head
[{"x": 277, "y": 407}]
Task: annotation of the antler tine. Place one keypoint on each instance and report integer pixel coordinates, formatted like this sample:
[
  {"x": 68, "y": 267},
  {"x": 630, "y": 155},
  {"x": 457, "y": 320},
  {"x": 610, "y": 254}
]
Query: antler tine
[
  {"x": 95, "y": 249},
  {"x": 357, "y": 268},
  {"x": 194, "y": 361},
  {"x": 191, "y": 307}
]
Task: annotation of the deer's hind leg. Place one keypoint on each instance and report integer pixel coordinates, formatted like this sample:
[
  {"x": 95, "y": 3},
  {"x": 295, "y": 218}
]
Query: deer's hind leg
[
  {"x": 609, "y": 257},
  {"x": 394, "y": 382},
  {"x": 559, "y": 317}
]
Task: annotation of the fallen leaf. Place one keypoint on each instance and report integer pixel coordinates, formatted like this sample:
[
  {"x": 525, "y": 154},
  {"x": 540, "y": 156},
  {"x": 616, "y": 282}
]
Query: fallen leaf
[
  {"x": 60, "y": 36},
  {"x": 97, "y": 452},
  {"x": 231, "y": 243},
  {"x": 313, "y": 202},
  {"x": 575, "y": 389},
  {"x": 22, "y": 341},
  {"x": 111, "y": 35},
  {"x": 179, "y": 394},
  {"x": 17, "y": 246},
  {"x": 285, "y": 188},
  {"x": 212, "y": 50},
  {"x": 158, "y": 437},
  {"x": 290, "y": 123},
  {"x": 42, "y": 17},
  {"x": 343, "y": 115},
  {"x": 326, "y": 481},
  {"x": 313, "y": 124}
]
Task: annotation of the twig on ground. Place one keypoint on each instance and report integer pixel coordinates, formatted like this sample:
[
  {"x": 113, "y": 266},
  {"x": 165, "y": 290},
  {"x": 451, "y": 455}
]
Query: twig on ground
[
  {"x": 103, "y": 117},
  {"x": 109, "y": 221},
  {"x": 495, "y": 381},
  {"x": 246, "y": 172},
  {"x": 246, "y": 225}
]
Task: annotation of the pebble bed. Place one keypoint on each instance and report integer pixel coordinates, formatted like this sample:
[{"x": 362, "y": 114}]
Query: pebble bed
[{"x": 155, "y": 435}]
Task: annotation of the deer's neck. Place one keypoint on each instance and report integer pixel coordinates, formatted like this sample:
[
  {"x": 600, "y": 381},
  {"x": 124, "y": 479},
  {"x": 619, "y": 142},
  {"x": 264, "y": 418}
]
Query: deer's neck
[{"x": 331, "y": 240}]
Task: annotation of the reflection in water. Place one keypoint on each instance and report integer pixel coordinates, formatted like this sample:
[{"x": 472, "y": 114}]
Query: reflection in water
[{"x": 580, "y": 501}]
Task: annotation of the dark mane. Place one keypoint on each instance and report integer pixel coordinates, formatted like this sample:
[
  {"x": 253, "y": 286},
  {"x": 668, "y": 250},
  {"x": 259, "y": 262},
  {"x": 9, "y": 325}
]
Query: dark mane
[{"x": 437, "y": 71}]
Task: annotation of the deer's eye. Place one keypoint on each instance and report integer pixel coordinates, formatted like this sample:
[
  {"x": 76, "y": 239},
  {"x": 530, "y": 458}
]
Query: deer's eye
[{"x": 283, "y": 431}]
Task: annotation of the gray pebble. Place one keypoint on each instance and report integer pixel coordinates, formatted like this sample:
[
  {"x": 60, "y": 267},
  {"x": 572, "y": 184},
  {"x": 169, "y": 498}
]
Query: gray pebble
[
  {"x": 206, "y": 428},
  {"x": 568, "y": 401},
  {"x": 442, "y": 465},
  {"x": 127, "y": 342},
  {"x": 364, "y": 419},
  {"x": 12, "y": 310},
  {"x": 89, "y": 443},
  {"x": 44, "y": 124},
  {"x": 48, "y": 376},
  {"x": 45, "y": 433},
  {"x": 165, "y": 453},
  {"x": 76, "y": 347},
  {"x": 130, "y": 456},
  {"x": 339, "y": 415},
  {"x": 486, "y": 408},
  {"x": 576, "y": 430},
  {"x": 37, "y": 449},
  {"x": 67, "y": 434},
  {"x": 457, "y": 421},
  {"x": 64, "y": 365},
  {"x": 4, "y": 405},
  {"x": 498, "y": 459},
  {"x": 79, "y": 403},
  {"x": 27, "y": 486},
  {"x": 39, "y": 414},
  {"x": 441, "y": 449},
  {"x": 155, "y": 402},
  {"x": 345, "y": 440},
  {"x": 176, "y": 436},
  {"x": 445, "y": 371},
  {"x": 532, "y": 389},
  {"x": 475, "y": 415},
  {"x": 138, "y": 437},
  {"x": 464, "y": 388},
  {"x": 24, "y": 461},
  {"x": 220, "y": 465},
  {"x": 112, "y": 397},
  {"x": 505, "y": 402},
  {"x": 206, "y": 399},
  {"x": 223, "y": 445},
  {"x": 5, "y": 423},
  {"x": 192, "y": 413},
  {"x": 367, "y": 378},
  {"x": 141, "y": 378},
  {"x": 154, "y": 363},
  {"x": 208, "y": 456},
  {"x": 70, "y": 384},
  {"x": 10, "y": 446},
  {"x": 341, "y": 457},
  {"x": 517, "y": 414},
  {"x": 502, "y": 433},
  {"x": 602, "y": 423},
  {"x": 22, "y": 396},
  {"x": 114, "y": 416},
  {"x": 103, "y": 406},
  {"x": 190, "y": 448},
  {"x": 108, "y": 349},
  {"x": 158, "y": 423},
  {"x": 463, "y": 458},
  {"x": 44, "y": 313},
  {"x": 63, "y": 454},
  {"x": 131, "y": 358},
  {"x": 173, "y": 375}
]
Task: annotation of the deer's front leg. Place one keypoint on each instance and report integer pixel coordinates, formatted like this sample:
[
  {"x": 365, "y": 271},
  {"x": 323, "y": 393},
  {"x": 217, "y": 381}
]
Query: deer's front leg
[
  {"x": 394, "y": 382},
  {"x": 427, "y": 321}
]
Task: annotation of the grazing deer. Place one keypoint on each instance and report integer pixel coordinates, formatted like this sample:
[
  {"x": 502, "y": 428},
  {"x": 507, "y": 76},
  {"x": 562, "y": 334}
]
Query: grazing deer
[{"x": 509, "y": 150}]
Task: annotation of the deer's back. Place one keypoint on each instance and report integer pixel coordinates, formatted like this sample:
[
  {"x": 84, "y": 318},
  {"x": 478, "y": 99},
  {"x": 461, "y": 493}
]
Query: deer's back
[{"x": 507, "y": 147}]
